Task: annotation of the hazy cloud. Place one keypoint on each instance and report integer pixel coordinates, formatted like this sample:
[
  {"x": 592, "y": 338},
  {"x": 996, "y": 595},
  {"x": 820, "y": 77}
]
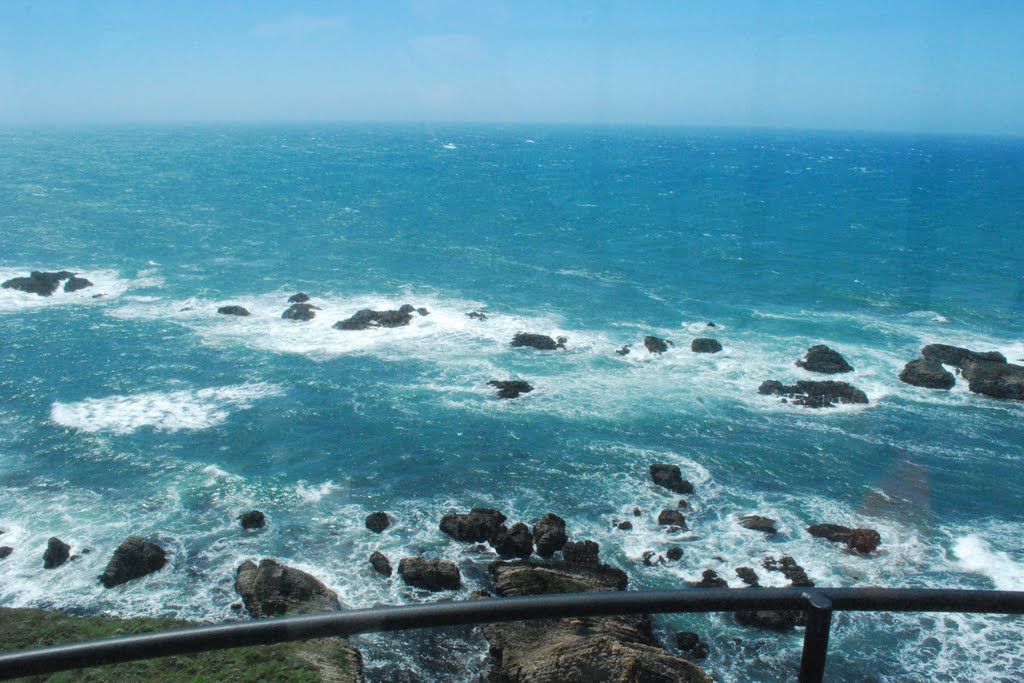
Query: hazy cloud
[{"x": 297, "y": 25}]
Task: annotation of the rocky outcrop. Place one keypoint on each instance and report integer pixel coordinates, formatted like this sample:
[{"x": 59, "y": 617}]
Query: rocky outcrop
[
  {"x": 578, "y": 650},
  {"x": 380, "y": 563},
  {"x": 298, "y": 298},
  {"x": 510, "y": 388},
  {"x": 789, "y": 568},
  {"x": 861, "y": 540},
  {"x": 927, "y": 373},
  {"x": 57, "y": 553},
  {"x": 134, "y": 558},
  {"x": 822, "y": 359},
  {"x": 814, "y": 394},
  {"x": 233, "y": 310},
  {"x": 585, "y": 553},
  {"x": 624, "y": 351},
  {"x": 656, "y": 344},
  {"x": 549, "y": 534},
  {"x": 476, "y": 526},
  {"x": 300, "y": 312},
  {"x": 477, "y": 315},
  {"x": 516, "y": 541},
  {"x": 758, "y": 523},
  {"x": 5, "y": 551},
  {"x": 705, "y": 345},
  {"x": 959, "y": 356},
  {"x": 253, "y": 519},
  {"x": 748, "y": 576},
  {"x": 670, "y": 477},
  {"x": 75, "y": 283},
  {"x": 674, "y": 553},
  {"x": 672, "y": 518},
  {"x": 710, "y": 579},
  {"x": 41, "y": 282},
  {"x": 368, "y": 318},
  {"x": 378, "y": 521},
  {"x": 997, "y": 380},
  {"x": 272, "y": 589},
  {"x": 432, "y": 575},
  {"x": 538, "y": 341}
]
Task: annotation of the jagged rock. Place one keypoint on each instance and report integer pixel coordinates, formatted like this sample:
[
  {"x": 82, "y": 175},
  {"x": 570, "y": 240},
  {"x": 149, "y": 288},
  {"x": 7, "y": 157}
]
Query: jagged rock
[
  {"x": 253, "y": 519},
  {"x": 650, "y": 558},
  {"x": 705, "y": 345},
  {"x": 709, "y": 578},
  {"x": 433, "y": 575},
  {"x": 300, "y": 312},
  {"x": 822, "y": 359},
  {"x": 637, "y": 512},
  {"x": 233, "y": 310},
  {"x": 38, "y": 282},
  {"x": 134, "y": 558},
  {"x": 674, "y": 553},
  {"x": 748, "y": 576},
  {"x": 814, "y": 394},
  {"x": 478, "y": 315},
  {"x": 367, "y": 318},
  {"x": 5, "y": 551},
  {"x": 479, "y": 524},
  {"x": 670, "y": 477},
  {"x": 510, "y": 388},
  {"x": 273, "y": 589},
  {"x": 514, "y": 542},
  {"x": 378, "y": 521},
  {"x": 582, "y": 552},
  {"x": 76, "y": 283},
  {"x": 927, "y": 373},
  {"x": 299, "y": 298},
  {"x": 380, "y": 563},
  {"x": 997, "y": 380},
  {"x": 656, "y": 344},
  {"x": 624, "y": 351},
  {"x": 790, "y": 569},
  {"x": 862, "y": 540},
  {"x": 758, "y": 523},
  {"x": 538, "y": 341},
  {"x": 549, "y": 534},
  {"x": 624, "y": 526},
  {"x": 958, "y": 356},
  {"x": 56, "y": 553},
  {"x": 672, "y": 518}
]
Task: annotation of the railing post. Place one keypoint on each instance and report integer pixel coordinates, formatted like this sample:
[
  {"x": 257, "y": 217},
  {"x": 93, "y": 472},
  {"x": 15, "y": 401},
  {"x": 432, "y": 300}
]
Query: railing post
[{"x": 819, "y": 622}]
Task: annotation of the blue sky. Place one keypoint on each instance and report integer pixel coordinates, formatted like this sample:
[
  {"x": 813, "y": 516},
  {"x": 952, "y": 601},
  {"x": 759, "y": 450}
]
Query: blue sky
[{"x": 917, "y": 66}]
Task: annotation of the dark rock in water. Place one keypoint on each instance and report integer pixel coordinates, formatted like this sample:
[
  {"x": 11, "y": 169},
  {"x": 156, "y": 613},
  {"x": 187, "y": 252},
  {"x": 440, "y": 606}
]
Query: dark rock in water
[
  {"x": 300, "y": 312},
  {"x": 822, "y": 359},
  {"x": 581, "y": 552},
  {"x": 687, "y": 640},
  {"x": 814, "y": 394},
  {"x": 380, "y": 563},
  {"x": 958, "y": 356},
  {"x": 758, "y": 523},
  {"x": 672, "y": 517},
  {"x": 514, "y": 542},
  {"x": 790, "y": 569},
  {"x": 709, "y": 578},
  {"x": 637, "y": 512},
  {"x": 76, "y": 283},
  {"x": 682, "y": 504},
  {"x": 748, "y": 576},
  {"x": 5, "y": 551},
  {"x": 299, "y": 298},
  {"x": 253, "y": 519},
  {"x": 705, "y": 345},
  {"x": 674, "y": 553},
  {"x": 510, "y": 388},
  {"x": 367, "y": 318},
  {"x": 56, "y": 553},
  {"x": 97, "y": 296},
  {"x": 477, "y": 315},
  {"x": 656, "y": 344},
  {"x": 273, "y": 589},
  {"x": 479, "y": 524},
  {"x": 422, "y": 311},
  {"x": 700, "y": 651},
  {"x": 549, "y": 534},
  {"x": 134, "y": 558},
  {"x": 862, "y": 540},
  {"x": 927, "y": 373},
  {"x": 38, "y": 282},
  {"x": 710, "y": 324},
  {"x": 624, "y": 351},
  {"x": 233, "y": 310},
  {"x": 670, "y": 477},
  {"x": 776, "y": 620},
  {"x": 624, "y": 526},
  {"x": 432, "y": 575},
  {"x": 378, "y": 521},
  {"x": 650, "y": 558},
  {"x": 997, "y": 380},
  {"x": 538, "y": 341}
]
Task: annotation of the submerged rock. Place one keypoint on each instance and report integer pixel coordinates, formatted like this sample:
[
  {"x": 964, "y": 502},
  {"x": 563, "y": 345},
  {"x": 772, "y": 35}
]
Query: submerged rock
[
  {"x": 272, "y": 590},
  {"x": 670, "y": 477},
  {"x": 253, "y": 519},
  {"x": 476, "y": 526},
  {"x": 233, "y": 310},
  {"x": 380, "y": 563},
  {"x": 814, "y": 394},
  {"x": 758, "y": 523},
  {"x": 57, "y": 553},
  {"x": 624, "y": 351},
  {"x": 369, "y": 318},
  {"x": 510, "y": 388},
  {"x": 134, "y": 558},
  {"x": 432, "y": 575},
  {"x": 656, "y": 344},
  {"x": 39, "y": 282},
  {"x": 927, "y": 373},
  {"x": 538, "y": 341},
  {"x": 997, "y": 380},
  {"x": 549, "y": 534},
  {"x": 861, "y": 540},
  {"x": 958, "y": 356},
  {"x": 477, "y": 315},
  {"x": 705, "y": 345},
  {"x": 377, "y": 521},
  {"x": 300, "y": 312},
  {"x": 822, "y": 359}
]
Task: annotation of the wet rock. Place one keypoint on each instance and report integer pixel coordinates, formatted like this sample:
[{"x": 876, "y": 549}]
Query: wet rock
[
  {"x": 432, "y": 575},
  {"x": 861, "y": 540},
  {"x": 748, "y": 576},
  {"x": 927, "y": 373},
  {"x": 822, "y": 359},
  {"x": 510, "y": 388},
  {"x": 5, "y": 551},
  {"x": 76, "y": 283},
  {"x": 710, "y": 579},
  {"x": 790, "y": 569},
  {"x": 538, "y": 341},
  {"x": 273, "y": 589},
  {"x": 624, "y": 351},
  {"x": 669, "y": 476},
  {"x": 479, "y": 524},
  {"x": 380, "y": 563},
  {"x": 516, "y": 541},
  {"x": 478, "y": 315},
  {"x": 38, "y": 282},
  {"x": 758, "y": 523},
  {"x": 656, "y": 344},
  {"x": 300, "y": 312},
  {"x": 674, "y": 553},
  {"x": 996, "y": 380},
  {"x": 710, "y": 324},
  {"x": 377, "y": 521},
  {"x": 582, "y": 552},
  {"x": 422, "y": 311},
  {"x": 682, "y": 504},
  {"x": 624, "y": 526},
  {"x": 958, "y": 356},
  {"x": 233, "y": 310},
  {"x": 368, "y": 318},
  {"x": 672, "y": 518},
  {"x": 637, "y": 512},
  {"x": 705, "y": 345},
  {"x": 687, "y": 640},
  {"x": 650, "y": 558},
  {"x": 776, "y": 620},
  {"x": 57, "y": 553},
  {"x": 549, "y": 534},
  {"x": 814, "y": 394},
  {"x": 253, "y": 519},
  {"x": 134, "y": 558},
  {"x": 299, "y": 298}
]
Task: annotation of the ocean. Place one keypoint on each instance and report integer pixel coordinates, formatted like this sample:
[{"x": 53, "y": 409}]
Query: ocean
[{"x": 144, "y": 411}]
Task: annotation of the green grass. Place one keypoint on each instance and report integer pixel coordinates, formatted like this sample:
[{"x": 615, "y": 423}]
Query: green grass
[{"x": 288, "y": 662}]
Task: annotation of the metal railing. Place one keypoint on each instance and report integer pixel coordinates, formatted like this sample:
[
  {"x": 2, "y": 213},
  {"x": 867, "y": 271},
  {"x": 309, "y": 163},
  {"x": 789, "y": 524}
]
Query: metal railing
[{"x": 818, "y": 603}]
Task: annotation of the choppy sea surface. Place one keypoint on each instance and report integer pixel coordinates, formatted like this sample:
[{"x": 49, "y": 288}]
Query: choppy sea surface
[{"x": 143, "y": 411}]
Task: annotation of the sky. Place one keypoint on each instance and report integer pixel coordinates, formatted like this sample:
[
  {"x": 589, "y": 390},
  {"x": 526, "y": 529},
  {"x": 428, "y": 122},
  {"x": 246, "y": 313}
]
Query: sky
[{"x": 895, "y": 65}]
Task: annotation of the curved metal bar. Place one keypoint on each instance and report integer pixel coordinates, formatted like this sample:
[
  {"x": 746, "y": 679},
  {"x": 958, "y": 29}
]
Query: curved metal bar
[{"x": 347, "y": 623}]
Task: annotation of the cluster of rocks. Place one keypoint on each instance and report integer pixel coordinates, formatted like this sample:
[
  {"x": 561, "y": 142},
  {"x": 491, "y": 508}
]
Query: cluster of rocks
[
  {"x": 657, "y": 345},
  {"x": 987, "y": 372},
  {"x": 46, "y": 283},
  {"x": 368, "y": 318},
  {"x": 134, "y": 558},
  {"x": 815, "y": 393}
]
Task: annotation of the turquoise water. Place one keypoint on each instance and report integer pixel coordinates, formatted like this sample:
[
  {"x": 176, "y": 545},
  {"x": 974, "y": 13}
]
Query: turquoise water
[{"x": 144, "y": 411}]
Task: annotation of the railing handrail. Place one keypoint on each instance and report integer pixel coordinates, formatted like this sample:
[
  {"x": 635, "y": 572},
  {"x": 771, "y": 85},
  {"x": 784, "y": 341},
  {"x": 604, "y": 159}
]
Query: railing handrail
[{"x": 818, "y": 602}]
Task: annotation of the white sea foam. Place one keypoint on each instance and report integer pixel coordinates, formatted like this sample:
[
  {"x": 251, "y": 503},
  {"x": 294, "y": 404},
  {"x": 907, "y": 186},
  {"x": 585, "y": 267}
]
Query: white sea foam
[
  {"x": 164, "y": 411},
  {"x": 311, "y": 493},
  {"x": 107, "y": 283},
  {"x": 975, "y": 555}
]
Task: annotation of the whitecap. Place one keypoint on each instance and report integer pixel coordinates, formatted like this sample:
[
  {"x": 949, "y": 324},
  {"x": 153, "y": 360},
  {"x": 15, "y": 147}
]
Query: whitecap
[
  {"x": 312, "y": 493},
  {"x": 976, "y": 556}
]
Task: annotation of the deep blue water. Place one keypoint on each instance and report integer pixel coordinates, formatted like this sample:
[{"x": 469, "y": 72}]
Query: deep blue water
[{"x": 144, "y": 411}]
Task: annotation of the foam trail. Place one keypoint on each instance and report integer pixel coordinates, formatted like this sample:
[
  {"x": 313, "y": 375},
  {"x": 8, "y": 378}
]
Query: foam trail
[
  {"x": 976, "y": 556},
  {"x": 314, "y": 494}
]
